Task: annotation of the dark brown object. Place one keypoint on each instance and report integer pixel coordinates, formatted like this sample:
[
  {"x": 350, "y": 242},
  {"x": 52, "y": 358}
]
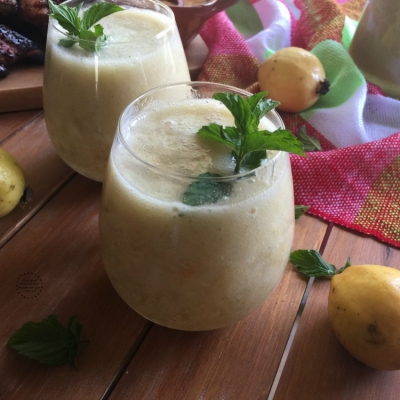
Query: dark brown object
[
  {"x": 23, "y": 14},
  {"x": 191, "y": 15},
  {"x": 25, "y": 22},
  {"x": 14, "y": 47},
  {"x": 23, "y": 29},
  {"x": 8, "y": 6},
  {"x": 34, "y": 12}
]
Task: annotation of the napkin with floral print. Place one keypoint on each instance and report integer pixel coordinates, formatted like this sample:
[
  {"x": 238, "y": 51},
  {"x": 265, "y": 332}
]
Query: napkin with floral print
[{"x": 354, "y": 180}]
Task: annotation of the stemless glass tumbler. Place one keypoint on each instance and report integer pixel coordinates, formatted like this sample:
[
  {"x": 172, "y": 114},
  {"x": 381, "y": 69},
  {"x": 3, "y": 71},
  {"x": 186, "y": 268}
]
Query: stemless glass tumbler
[
  {"x": 176, "y": 260},
  {"x": 85, "y": 91}
]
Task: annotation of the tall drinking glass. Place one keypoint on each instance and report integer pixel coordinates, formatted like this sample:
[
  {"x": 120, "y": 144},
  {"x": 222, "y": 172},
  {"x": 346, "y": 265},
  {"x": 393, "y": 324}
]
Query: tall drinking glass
[
  {"x": 86, "y": 91},
  {"x": 186, "y": 266}
]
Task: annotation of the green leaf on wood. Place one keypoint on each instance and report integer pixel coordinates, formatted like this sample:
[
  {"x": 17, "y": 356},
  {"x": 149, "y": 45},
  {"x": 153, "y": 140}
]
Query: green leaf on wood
[{"x": 48, "y": 342}]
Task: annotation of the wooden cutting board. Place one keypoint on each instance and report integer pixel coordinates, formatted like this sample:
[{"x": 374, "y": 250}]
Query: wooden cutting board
[{"x": 22, "y": 89}]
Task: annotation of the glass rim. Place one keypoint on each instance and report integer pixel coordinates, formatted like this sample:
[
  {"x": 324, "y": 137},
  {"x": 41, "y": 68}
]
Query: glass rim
[
  {"x": 171, "y": 173},
  {"x": 170, "y": 14}
]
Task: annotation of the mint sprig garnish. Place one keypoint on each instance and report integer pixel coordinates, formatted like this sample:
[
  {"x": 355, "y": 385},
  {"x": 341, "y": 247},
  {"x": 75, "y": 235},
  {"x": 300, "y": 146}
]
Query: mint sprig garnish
[
  {"x": 248, "y": 143},
  {"x": 311, "y": 264},
  {"x": 48, "y": 342},
  {"x": 79, "y": 28},
  {"x": 206, "y": 190}
]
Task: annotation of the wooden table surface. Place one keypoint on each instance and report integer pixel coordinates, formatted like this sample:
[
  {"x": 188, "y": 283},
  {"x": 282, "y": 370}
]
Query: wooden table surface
[{"x": 285, "y": 350}]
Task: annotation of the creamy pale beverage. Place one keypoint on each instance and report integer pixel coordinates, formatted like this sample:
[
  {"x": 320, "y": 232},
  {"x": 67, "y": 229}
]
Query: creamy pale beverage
[
  {"x": 183, "y": 266},
  {"x": 85, "y": 91}
]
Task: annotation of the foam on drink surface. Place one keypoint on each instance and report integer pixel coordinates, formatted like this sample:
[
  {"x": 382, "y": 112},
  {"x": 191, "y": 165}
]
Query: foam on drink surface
[
  {"x": 147, "y": 24},
  {"x": 133, "y": 28},
  {"x": 168, "y": 139}
]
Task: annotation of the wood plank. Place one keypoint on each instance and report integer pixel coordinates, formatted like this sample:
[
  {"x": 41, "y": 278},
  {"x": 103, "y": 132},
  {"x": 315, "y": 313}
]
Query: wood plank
[
  {"x": 237, "y": 362},
  {"x": 60, "y": 249},
  {"x": 317, "y": 363},
  {"x": 22, "y": 89},
  {"x": 11, "y": 122},
  {"x": 45, "y": 173}
]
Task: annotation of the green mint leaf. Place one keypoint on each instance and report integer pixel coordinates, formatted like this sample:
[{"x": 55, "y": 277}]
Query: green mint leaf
[
  {"x": 97, "y": 12},
  {"x": 48, "y": 342},
  {"x": 309, "y": 143},
  {"x": 281, "y": 139},
  {"x": 66, "y": 16},
  {"x": 206, "y": 190},
  {"x": 252, "y": 160},
  {"x": 88, "y": 40},
  {"x": 255, "y": 101},
  {"x": 245, "y": 138},
  {"x": 92, "y": 40},
  {"x": 79, "y": 28},
  {"x": 300, "y": 210},
  {"x": 67, "y": 42},
  {"x": 245, "y": 119},
  {"x": 310, "y": 263},
  {"x": 228, "y": 135},
  {"x": 260, "y": 105}
]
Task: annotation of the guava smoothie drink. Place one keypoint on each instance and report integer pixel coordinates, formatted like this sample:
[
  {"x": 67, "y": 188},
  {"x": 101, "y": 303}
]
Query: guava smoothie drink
[
  {"x": 191, "y": 267},
  {"x": 86, "y": 91}
]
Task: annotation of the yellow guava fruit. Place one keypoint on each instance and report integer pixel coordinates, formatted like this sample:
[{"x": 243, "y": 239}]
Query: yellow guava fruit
[
  {"x": 12, "y": 182},
  {"x": 293, "y": 76},
  {"x": 364, "y": 312}
]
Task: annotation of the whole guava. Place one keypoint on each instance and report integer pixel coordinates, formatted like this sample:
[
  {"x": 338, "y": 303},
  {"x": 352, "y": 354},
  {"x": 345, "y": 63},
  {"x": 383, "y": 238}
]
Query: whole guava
[
  {"x": 364, "y": 312},
  {"x": 12, "y": 182}
]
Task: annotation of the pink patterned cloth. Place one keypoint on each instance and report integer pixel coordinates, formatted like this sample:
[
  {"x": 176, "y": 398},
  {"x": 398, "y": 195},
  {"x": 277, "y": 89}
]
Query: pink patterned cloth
[{"x": 355, "y": 180}]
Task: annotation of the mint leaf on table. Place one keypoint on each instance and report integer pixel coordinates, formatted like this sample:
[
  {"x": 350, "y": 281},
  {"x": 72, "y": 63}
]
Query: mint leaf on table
[
  {"x": 48, "y": 342},
  {"x": 79, "y": 28},
  {"x": 311, "y": 264},
  {"x": 206, "y": 190},
  {"x": 310, "y": 143}
]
